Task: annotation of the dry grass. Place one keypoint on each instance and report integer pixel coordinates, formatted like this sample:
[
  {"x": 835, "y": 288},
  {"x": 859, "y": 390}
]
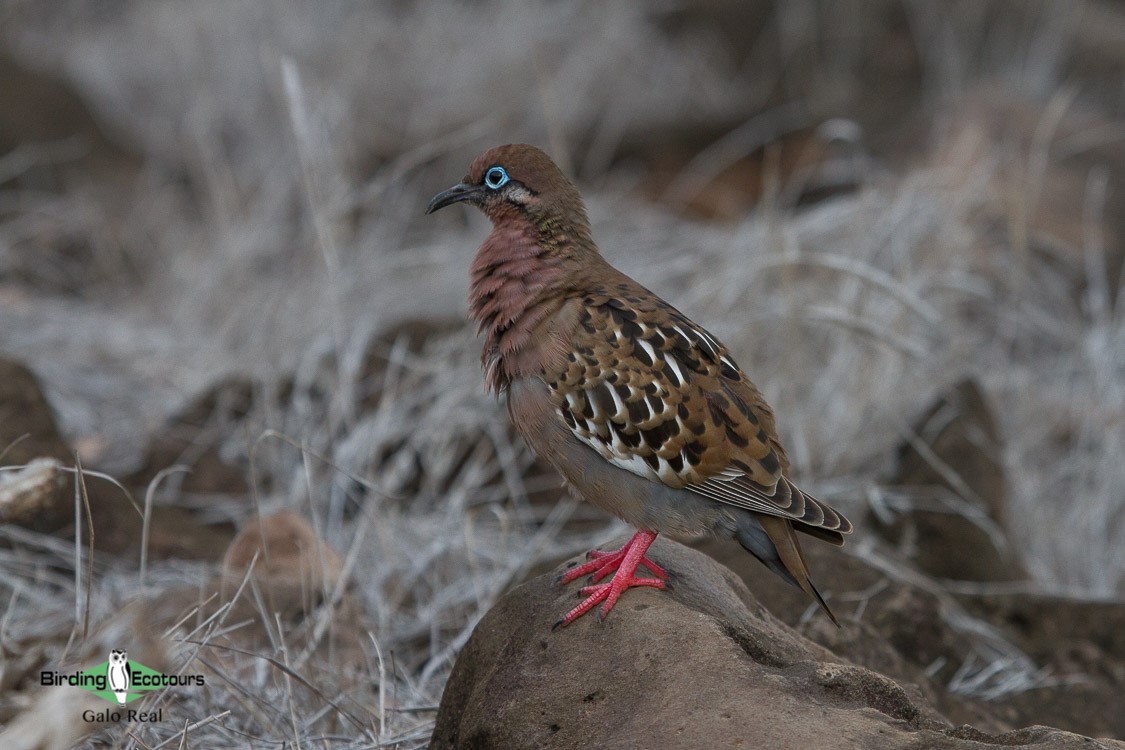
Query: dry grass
[{"x": 276, "y": 230}]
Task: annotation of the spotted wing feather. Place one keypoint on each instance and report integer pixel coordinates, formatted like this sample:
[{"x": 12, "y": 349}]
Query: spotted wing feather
[{"x": 655, "y": 394}]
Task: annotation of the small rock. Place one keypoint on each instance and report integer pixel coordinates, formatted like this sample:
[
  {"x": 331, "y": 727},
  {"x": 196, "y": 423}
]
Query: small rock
[
  {"x": 33, "y": 493},
  {"x": 27, "y": 423},
  {"x": 28, "y": 432},
  {"x": 293, "y": 568}
]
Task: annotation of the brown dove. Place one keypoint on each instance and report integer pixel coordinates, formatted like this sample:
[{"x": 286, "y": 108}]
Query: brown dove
[{"x": 643, "y": 412}]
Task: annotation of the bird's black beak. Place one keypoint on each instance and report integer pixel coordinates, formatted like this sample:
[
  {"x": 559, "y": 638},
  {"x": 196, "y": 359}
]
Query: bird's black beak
[{"x": 456, "y": 194}]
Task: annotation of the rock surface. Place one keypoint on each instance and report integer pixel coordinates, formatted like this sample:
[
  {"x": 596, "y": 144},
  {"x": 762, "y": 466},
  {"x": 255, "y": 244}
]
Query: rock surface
[
  {"x": 28, "y": 429},
  {"x": 898, "y": 623},
  {"x": 702, "y": 665},
  {"x": 29, "y": 433},
  {"x": 191, "y": 438},
  {"x": 291, "y": 565},
  {"x": 951, "y": 464},
  {"x": 41, "y": 497}
]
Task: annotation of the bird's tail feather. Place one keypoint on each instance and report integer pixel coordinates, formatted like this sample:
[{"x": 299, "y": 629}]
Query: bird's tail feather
[{"x": 773, "y": 541}]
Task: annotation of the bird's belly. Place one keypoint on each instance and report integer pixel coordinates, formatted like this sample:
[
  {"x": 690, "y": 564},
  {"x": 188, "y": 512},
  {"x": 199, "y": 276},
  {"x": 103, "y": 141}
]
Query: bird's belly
[{"x": 632, "y": 498}]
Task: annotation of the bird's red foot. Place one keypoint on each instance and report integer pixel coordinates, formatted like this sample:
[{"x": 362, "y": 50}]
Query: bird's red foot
[
  {"x": 603, "y": 563},
  {"x": 623, "y": 563}
]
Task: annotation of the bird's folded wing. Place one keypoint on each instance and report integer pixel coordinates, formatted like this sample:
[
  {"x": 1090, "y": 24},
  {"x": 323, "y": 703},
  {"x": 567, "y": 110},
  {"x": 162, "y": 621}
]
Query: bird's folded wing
[{"x": 657, "y": 395}]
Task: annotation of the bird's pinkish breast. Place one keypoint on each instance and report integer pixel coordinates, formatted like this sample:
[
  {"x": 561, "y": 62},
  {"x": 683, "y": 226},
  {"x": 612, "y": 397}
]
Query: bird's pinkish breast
[{"x": 512, "y": 281}]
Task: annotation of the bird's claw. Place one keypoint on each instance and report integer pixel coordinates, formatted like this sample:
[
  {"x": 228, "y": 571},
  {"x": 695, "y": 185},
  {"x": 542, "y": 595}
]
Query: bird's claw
[
  {"x": 607, "y": 595},
  {"x": 623, "y": 564}
]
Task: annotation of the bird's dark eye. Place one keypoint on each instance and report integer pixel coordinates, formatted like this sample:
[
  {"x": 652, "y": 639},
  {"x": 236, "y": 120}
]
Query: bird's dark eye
[{"x": 496, "y": 177}]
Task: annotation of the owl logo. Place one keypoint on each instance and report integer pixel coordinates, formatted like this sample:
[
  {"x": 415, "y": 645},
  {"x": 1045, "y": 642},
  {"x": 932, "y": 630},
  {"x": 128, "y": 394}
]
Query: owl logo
[{"x": 118, "y": 670}]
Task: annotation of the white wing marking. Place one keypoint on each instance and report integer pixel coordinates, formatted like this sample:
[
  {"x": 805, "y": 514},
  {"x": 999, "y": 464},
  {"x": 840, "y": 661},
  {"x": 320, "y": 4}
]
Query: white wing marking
[
  {"x": 675, "y": 368},
  {"x": 648, "y": 349}
]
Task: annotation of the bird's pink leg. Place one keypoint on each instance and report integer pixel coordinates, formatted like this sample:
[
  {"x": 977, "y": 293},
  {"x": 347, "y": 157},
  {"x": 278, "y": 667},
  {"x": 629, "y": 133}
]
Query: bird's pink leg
[
  {"x": 623, "y": 563},
  {"x": 602, "y": 563}
]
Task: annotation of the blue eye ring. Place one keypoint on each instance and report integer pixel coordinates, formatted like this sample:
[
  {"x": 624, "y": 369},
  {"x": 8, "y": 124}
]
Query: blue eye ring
[{"x": 496, "y": 177}]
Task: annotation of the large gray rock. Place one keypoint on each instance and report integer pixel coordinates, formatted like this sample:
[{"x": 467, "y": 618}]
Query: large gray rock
[
  {"x": 702, "y": 665},
  {"x": 909, "y": 627}
]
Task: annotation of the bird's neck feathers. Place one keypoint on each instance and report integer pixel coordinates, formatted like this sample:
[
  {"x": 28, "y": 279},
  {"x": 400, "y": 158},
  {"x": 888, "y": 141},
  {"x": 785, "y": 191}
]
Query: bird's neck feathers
[{"x": 519, "y": 279}]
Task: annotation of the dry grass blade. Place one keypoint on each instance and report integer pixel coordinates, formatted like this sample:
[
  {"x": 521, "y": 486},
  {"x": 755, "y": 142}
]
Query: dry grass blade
[
  {"x": 286, "y": 670},
  {"x": 182, "y": 734},
  {"x": 146, "y": 525}
]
